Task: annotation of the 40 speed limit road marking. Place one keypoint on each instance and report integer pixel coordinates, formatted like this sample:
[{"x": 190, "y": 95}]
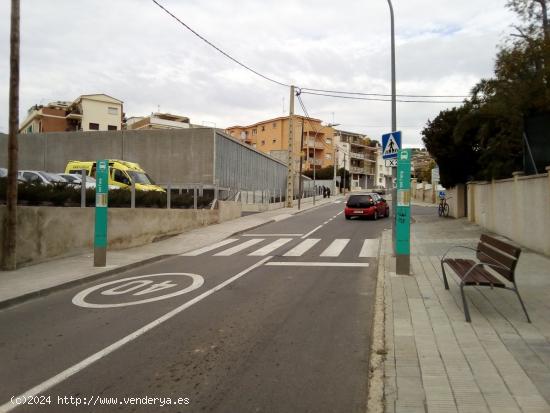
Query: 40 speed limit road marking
[{"x": 139, "y": 286}]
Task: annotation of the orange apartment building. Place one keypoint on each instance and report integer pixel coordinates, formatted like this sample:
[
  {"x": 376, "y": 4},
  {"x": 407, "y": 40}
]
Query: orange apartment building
[{"x": 271, "y": 137}]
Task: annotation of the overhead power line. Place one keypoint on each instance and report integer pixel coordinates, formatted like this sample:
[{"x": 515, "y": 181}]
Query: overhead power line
[
  {"x": 379, "y": 100},
  {"x": 383, "y": 94},
  {"x": 327, "y": 93},
  {"x": 217, "y": 48}
]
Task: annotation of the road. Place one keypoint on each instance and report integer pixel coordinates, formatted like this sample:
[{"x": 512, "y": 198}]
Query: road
[{"x": 277, "y": 319}]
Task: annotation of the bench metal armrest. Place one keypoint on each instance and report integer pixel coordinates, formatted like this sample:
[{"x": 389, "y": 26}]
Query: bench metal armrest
[{"x": 458, "y": 246}]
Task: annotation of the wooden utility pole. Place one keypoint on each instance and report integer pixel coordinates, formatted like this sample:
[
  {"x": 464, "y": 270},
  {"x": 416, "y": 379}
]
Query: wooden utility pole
[
  {"x": 9, "y": 248},
  {"x": 290, "y": 172}
]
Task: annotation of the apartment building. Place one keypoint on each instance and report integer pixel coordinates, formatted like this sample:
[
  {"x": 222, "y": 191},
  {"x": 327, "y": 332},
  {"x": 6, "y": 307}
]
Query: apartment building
[
  {"x": 97, "y": 112},
  {"x": 158, "y": 121},
  {"x": 359, "y": 155},
  {"x": 383, "y": 177},
  {"x": 271, "y": 137}
]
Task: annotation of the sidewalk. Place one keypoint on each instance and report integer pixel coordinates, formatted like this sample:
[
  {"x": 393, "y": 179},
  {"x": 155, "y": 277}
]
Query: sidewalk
[
  {"x": 27, "y": 282},
  {"x": 436, "y": 361}
]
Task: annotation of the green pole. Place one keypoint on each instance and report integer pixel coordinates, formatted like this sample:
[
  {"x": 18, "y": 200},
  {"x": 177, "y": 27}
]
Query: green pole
[
  {"x": 101, "y": 198},
  {"x": 403, "y": 212}
]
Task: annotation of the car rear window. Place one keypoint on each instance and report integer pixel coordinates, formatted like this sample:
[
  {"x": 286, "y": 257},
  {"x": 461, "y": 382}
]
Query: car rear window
[{"x": 359, "y": 201}]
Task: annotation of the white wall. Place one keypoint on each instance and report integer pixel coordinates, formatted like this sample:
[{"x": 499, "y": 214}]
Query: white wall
[
  {"x": 94, "y": 111},
  {"x": 517, "y": 208}
]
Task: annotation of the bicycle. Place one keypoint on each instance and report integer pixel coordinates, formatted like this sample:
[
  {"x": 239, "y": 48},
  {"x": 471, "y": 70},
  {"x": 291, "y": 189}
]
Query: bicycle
[{"x": 443, "y": 209}]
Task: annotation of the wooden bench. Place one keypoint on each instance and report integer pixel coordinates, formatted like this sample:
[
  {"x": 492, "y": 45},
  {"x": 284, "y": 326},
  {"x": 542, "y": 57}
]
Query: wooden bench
[{"x": 496, "y": 263}]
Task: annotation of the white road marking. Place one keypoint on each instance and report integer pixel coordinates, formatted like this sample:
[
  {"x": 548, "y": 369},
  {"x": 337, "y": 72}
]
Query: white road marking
[
  {"x": 318, "y": 264},
  {"x": 335, "y": 248},
  {"x": 272, "y": 235},
  {"x": 369, "y": 249},
  {"x": 311, "y": 232},
  {"x": 209, "y": 247},
  {"x": 55, "y": 380},
  {"x": 270, "y": 247},
  {"x": 239, "y": 247},
  {"x": 80, "y": 298},
  {"x": 302, "y": 247}
]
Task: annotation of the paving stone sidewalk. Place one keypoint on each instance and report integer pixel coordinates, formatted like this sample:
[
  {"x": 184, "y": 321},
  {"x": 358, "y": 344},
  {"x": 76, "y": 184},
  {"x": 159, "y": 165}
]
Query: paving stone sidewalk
[{"x": 436, "y": 361}]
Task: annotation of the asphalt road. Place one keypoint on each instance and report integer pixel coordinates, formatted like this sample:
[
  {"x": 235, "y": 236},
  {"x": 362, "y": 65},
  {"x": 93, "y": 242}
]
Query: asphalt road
[{"x": 277, "y": 319}]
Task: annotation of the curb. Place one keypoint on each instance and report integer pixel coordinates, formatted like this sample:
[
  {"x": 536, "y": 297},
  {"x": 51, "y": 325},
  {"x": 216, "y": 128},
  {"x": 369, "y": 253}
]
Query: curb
[
  {"x": 375, "y": 398},
  {"x": 45, "y": 291},
  {"x": 10, "y": 302}
]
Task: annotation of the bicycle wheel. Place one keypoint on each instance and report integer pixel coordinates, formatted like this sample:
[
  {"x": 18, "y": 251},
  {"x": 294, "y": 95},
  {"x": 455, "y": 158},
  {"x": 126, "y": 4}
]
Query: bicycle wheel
[
  {"x": 446, "y": 210},
  {"x": 440, "y": 210}
]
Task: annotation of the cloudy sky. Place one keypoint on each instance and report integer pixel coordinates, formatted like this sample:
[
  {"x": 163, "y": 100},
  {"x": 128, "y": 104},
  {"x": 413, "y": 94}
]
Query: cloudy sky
[{"x": 134, "y": 51}]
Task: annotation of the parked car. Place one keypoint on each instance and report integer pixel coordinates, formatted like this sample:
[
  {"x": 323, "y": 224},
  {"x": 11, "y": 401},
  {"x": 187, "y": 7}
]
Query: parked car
[
  {"x": 76, "y": 180},
  {"x": 370, "y": 205},
  {"x": 41, "y": 177},
  {"x": 379, "y": 190}
]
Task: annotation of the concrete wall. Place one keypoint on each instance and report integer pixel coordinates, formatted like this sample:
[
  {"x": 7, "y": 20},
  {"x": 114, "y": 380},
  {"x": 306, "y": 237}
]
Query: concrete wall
[
  {"x": 48, "y": 232},
  {"x": 518, "y": 208},
  {"x": 456, "y": 198}
]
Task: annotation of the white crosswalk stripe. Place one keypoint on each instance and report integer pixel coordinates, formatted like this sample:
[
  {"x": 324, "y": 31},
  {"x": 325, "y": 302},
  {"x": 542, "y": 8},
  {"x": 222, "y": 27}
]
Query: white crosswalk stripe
[
  {"x": 209, "y": 247},
  {"x": 270, "y": 247},
  {"x": 335, "y": 248},
  {"x": 369, "y": 249},
  {"x": 302, "y": 247},
  {"x": 240, "y": 247}
]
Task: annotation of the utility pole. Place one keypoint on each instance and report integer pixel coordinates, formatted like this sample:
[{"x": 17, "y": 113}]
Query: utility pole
[
  {"x": 344, "y": 187},
  {"x": 10, "y": 244},
  {"x": 301, "y": 185},
  {"x": 290, "y": 172}
]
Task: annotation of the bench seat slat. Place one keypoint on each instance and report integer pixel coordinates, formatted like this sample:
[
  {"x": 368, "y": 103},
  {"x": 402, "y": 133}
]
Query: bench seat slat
[{"x": 478, "y": 276}]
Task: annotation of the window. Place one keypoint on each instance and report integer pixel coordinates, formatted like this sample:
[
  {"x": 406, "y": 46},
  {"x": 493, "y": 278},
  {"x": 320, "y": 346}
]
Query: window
[
  {"x": 112, "y": 111},
  {"x": 263, "y": 128},
  {"x": 263, "y": 142},
  {"x": 94, "y": 126},
  {"x": 254, "y": 131},
  {"x": 120, "y": 177},
  {"x": 328, "y": 156},
  {"x": 274, "y": 141},
  {"x": 328, "y": 141},
  {"x": 274, "y": 125},
  {"x": 111, "y": 127}
]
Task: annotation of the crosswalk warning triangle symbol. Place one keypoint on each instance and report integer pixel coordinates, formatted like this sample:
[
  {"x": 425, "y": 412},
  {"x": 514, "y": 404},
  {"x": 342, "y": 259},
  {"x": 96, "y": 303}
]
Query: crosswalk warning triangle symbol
[{"x": 391, "y": 146}]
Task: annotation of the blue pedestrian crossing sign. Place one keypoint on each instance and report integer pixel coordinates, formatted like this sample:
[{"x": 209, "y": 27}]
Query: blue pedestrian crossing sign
[{"x": 391, "y": 144}]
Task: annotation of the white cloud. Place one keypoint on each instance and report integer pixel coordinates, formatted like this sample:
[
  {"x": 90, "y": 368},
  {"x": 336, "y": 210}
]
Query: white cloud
[{"x": 132, "y": 50}]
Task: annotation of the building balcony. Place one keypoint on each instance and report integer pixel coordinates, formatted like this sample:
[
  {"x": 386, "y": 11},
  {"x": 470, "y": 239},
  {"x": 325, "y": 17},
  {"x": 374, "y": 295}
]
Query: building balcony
[
  {"x": 313, "y": 145},
  {"x": 316, "y": 162},
  {"x": 357, "y": 155},
  {"x": 74, "y": 116},
  {"x": 356, "y": 170}
]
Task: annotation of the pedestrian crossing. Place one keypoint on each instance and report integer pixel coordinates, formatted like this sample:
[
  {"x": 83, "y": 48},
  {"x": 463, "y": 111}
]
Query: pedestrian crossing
[{"x": 261, "y": 247}]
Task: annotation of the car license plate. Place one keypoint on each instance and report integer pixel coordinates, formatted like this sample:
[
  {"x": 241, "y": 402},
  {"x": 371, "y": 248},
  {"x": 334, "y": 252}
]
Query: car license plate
[{"x": 358, "y": 211}]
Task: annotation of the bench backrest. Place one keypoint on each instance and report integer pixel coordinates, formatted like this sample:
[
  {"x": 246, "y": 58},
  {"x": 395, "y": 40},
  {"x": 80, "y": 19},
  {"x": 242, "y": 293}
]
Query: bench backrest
[{"x": 496, "y": 252}]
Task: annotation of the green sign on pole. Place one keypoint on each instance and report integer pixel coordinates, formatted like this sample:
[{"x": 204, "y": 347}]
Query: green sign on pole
[
  {"x": 101, "y": 197},
  {"x": 403, "y": 212}
]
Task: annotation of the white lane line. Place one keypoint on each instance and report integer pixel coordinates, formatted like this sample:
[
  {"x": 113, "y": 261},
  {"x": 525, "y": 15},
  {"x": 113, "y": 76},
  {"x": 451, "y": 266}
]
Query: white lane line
[
  {"x": 335, "y": 248},
  {"x": 238, "y": 248},
  {"x": 311, "y": 232},
  {"x": 302, "y": 247},
  {"x": 369, "y": 249},
  {"x": 209, "y": 247},
  {"x": 317, "y": 264},
  {"x": 270, "y": 247},
  {"x": 55, "y": 380},
  {"x": 271, "y": 235}
]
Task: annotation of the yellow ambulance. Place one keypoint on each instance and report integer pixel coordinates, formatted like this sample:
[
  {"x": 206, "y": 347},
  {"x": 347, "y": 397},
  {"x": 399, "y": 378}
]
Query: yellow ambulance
[{"x": 121, "y": 174}]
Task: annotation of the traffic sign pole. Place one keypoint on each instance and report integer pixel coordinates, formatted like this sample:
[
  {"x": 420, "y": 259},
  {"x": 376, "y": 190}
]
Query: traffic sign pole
[
  {"x": 403, "y": 214},
  {"x": 101, "y": 198}
]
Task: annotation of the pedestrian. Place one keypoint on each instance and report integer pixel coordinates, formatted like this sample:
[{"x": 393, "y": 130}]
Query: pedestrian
[{"x": 328, "y": 192}]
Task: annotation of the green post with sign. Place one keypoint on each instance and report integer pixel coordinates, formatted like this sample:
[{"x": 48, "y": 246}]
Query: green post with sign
[
  {"x": 403, "y": 213},
  {"x": 101, "y": 197}
]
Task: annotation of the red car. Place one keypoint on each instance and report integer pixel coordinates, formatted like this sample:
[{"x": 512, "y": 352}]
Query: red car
[{"x": 369, "y": 205}]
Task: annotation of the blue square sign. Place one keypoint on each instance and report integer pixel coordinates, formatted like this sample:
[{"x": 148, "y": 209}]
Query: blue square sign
[{"x": 391, "y": 144}]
